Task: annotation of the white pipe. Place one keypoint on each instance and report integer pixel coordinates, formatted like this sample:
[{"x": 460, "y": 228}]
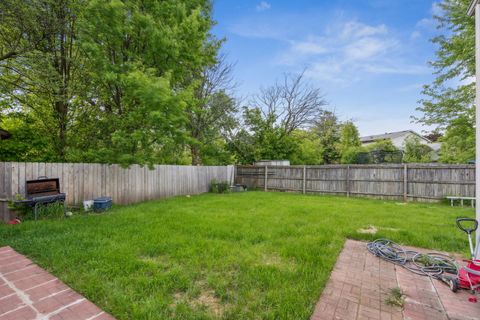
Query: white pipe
[{"x": 477, "y": 116}]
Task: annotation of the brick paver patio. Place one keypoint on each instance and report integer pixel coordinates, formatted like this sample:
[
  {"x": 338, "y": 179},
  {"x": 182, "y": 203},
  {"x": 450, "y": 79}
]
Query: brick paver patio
[
  {"x": 360, "y": 283},
  {"x": 357, "y": 289},
  {"x": 29, "y": 292}
]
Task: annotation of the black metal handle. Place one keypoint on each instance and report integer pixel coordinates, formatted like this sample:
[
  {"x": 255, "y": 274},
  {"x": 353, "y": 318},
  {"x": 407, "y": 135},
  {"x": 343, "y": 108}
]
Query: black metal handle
[{"x": 463, "y": 228}]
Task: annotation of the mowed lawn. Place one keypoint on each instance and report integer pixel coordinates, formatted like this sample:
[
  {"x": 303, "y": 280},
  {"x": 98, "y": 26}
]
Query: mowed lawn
[{"x": 250, "y": 255}]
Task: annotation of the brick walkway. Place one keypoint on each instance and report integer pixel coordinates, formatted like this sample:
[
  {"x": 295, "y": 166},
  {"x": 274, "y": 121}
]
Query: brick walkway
[
  {"x": 29, "y": 292},
  {"x": 360, "y": 283}
]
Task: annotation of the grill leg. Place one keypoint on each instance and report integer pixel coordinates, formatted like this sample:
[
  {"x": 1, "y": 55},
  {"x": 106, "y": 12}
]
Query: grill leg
[{"x": 35, "y": 211}]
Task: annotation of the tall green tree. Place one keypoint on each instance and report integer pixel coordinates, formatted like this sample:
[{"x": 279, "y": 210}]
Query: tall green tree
[
  {"x": 145, "y": 58},
  {"x": 212, "y": 114},
  {"x": 42, "y": 74},
  {"x": 262, "y": 138},
  {"x": 349, "y": 144},
  {"x": 451, "y": 95},
  {"x": 309, "y": 150},
  {"x": 106, "y": 81},
  {"x": 349, "y": 135},
  {"x": 327, "y": 128},
  {"x": 415, "y": 151},
  {"x": 458, "y": 143}
]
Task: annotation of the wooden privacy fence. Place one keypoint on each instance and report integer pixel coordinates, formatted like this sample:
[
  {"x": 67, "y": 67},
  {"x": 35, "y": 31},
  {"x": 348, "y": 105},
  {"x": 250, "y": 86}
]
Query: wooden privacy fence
[
  {"x": 422, "y": 182},
  {"x": 82, "y": 181}
]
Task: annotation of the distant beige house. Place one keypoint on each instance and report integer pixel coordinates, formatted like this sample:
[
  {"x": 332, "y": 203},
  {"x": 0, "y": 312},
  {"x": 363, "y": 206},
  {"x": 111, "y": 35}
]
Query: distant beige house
[{"x": 399, "y": 138}]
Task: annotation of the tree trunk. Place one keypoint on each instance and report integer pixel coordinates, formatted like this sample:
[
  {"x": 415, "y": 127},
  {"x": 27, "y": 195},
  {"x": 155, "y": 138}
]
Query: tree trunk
[
  {"x": 62, "y": 118},
  {"x": 62, "y": 64},
  {"x": 196, "y": 158}
]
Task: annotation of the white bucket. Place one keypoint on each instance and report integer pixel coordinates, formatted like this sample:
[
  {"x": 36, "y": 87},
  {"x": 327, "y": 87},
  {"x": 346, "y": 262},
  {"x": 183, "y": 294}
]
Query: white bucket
[{"x": 88, "y": 205}]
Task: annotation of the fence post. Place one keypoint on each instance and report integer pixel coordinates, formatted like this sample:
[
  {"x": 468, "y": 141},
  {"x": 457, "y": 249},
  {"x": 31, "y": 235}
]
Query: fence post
[
  {"x": 405, "y": 182},
  {"x": 304, "y": 179},
  {"x": 266, "y": 180},
  {"x": 348, "y": 181}
]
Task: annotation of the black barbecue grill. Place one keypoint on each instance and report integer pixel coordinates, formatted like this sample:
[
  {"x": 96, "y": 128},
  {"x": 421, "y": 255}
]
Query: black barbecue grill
[{"x": 42, "y": 191}]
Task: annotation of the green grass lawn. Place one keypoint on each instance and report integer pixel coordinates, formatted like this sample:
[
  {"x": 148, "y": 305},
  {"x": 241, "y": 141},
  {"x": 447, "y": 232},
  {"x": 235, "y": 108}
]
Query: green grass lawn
[{"x": 251, "y": 255}]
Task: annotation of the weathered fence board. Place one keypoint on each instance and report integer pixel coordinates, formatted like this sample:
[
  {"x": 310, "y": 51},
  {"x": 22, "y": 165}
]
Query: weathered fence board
[
  {"x": 421, "y": 182},
  {"x": 82, "y": 181}
]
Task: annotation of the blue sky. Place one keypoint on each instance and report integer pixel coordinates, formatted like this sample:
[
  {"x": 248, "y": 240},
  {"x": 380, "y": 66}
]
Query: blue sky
[{"x": 369, "y": 57}]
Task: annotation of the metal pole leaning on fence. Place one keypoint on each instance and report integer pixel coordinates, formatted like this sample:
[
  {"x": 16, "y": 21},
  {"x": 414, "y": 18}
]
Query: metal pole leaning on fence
[
  {"x": 304, "y": 185},
  {"x": 347, "y": 178},
  {"x": 405, "y": 182},
  {"x": 266, "y": 180}
]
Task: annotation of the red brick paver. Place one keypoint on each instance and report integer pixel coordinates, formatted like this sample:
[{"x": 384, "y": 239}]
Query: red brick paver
[
  {"x": 360, "y": 283},
  {"x": 28, "y": 292}
]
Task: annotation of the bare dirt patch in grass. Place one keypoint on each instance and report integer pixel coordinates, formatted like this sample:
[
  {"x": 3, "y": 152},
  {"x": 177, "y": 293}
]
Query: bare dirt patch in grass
[
  {"x": 369, "y": 230},
  {"x": 208, "y": 300},
  {"x": 274, "y": 260},
  {"x": 205, "y": 300},
  {"x": 271, "y": 260},
  {"x": 158, "y": 260},
  {"x": 374, "y": 229},
  {"x": 390, "y": 229}
]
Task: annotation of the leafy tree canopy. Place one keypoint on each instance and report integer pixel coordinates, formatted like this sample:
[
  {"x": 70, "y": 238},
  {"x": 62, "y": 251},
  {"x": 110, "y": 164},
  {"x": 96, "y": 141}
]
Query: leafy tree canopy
[
  {"x": 448, "y": 101},
  {"x": 106, "y": 81},
  {"x": 458, "y": 143},
  {"x": 415, "y": 151}
]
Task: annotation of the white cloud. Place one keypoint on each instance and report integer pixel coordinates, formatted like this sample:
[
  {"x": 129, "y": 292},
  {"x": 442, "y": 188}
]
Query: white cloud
[
  {"x": 309, "y": 48},
  {"x": 427, "y": 23},
  {"x": 415, "y": 35},
  {"x": 349, "y": 52},
  {"x": 312, "y": 45},
  {"x": 263, "y": 5},
  {"x": 345, "y": 51},
  {"x": 417, "y": 87},
  {"x": 259, "y": 30},
  {"x": 396, "y": 69},
  {"x": 256, "y": 26},
  {"x": 347, "y": 72},
  {"x": 352, "y": 41},
  {"x": 367, "y": 47},
  {"x": 354, "y": 29},
  {"x": 330, "y": 70}
]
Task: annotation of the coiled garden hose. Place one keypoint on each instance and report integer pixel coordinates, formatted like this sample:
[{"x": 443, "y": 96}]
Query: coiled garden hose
[{"x": 425, "y": 264}]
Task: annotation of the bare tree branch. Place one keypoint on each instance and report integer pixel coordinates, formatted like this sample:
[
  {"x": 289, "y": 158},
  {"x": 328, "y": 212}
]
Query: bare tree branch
[{"x": 293, "y": 102}]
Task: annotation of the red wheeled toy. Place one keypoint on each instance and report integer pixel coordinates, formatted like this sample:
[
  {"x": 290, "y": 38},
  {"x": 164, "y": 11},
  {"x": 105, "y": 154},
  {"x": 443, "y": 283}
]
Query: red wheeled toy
[{"x": 468, "y": 276}]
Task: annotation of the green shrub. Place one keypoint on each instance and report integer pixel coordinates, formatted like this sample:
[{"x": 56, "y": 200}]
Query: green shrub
[
  {"x": 21, "y": 209},
  {"x": 45, "y": 211},
  {"x": 219, "y": 186}
]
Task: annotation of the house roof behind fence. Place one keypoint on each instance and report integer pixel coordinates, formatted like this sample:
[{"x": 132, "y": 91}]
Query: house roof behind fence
[{"x": 389, "y": 135}]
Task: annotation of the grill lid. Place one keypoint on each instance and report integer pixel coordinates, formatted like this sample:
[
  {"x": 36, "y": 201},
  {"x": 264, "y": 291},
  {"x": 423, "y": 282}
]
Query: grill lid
[{"x": 42, "y": 187}]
